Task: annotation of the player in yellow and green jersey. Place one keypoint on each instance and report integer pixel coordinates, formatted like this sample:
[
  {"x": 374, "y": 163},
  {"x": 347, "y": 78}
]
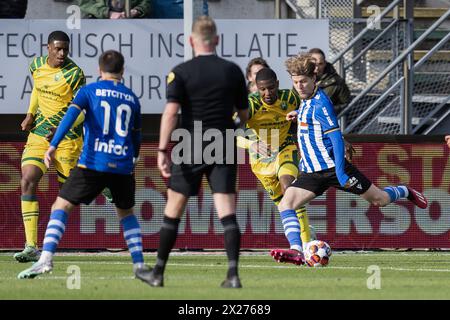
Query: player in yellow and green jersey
[
  {"x": 56, "y": 80},
  {"x": 273, "y": 151}
]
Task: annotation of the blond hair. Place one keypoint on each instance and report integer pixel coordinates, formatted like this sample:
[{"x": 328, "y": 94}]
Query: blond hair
[
  {"x": 204, "y": 29},
  {"x": 301, "y": 65}
]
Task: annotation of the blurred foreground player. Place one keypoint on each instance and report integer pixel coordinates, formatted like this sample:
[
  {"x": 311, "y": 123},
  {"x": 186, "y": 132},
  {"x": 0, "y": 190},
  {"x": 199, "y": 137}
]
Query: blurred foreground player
[
  {"x": 206, "y": 89},
  {"x": 323, "y": 163},
  {"x": 111, "y": 147}
]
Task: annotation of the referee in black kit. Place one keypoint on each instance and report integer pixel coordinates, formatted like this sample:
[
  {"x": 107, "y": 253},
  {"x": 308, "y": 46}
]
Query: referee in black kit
[{"x": 208, "y": 89}]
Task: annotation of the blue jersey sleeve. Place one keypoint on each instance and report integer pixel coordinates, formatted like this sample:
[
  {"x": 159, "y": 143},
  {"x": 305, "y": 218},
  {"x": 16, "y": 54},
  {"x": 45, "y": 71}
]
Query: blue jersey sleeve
[
  {"x": 136, "y": 133},
  {"x": 66, "y": 123},
  {"x": 81, "y": 99},
  {"x": 326, "y": 116},
  {"x": 339, "y": 155}
]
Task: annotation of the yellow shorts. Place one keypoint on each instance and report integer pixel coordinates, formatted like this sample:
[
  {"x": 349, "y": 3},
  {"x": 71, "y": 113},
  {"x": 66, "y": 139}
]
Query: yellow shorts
[
  {"x": 66, "y": 156},
  {"x": 269, "y": 172}
]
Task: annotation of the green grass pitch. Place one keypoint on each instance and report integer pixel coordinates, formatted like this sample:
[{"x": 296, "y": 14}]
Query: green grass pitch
[{"x": 403, "y": 275}]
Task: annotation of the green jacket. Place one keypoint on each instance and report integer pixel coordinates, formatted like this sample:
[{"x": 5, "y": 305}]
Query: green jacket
[
  {"x": 100, "y": 8},
  {"x": 335, "y": 88}
]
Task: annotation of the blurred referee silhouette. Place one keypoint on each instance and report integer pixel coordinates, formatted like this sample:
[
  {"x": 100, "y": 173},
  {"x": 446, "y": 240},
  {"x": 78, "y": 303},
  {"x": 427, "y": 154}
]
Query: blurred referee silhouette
[{"x": 208, "y": 90}]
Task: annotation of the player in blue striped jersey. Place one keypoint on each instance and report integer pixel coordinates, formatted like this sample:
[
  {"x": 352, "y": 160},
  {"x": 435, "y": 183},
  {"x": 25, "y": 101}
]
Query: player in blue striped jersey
[
  {"x": 323, "y": 162},
  {"x": 111, "y": 146}
]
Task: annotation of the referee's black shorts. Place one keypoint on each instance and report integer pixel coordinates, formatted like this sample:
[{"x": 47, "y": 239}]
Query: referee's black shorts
[
  {"x": 187, "y": 178},
  {"x": 319, "y": 182},
  {"x": 84, "y": 185}
]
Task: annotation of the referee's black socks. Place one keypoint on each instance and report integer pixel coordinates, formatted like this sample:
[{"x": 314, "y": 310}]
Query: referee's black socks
[
  {"x": 232, "y": 237},
  {"x": 167, "y": 237}
]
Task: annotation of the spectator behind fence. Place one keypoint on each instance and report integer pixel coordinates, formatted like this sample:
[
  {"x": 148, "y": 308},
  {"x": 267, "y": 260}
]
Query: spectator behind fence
[
  {"x": 252, "y": 69},
  {"x": 13, "y": 9},
  {"x": 330, "y": 82},
  {"x": 114, "y": 9},
  {"x": 335, "y": 88},
  {"x": 167, "y": 9}
]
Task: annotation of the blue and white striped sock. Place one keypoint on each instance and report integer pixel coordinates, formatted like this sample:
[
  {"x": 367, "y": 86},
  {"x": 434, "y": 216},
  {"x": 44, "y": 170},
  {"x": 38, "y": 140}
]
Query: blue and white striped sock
[
  {"x": 133, "y": 237},
  {"x": 396, "y": 193},
  {"x": 291, "y": 228},
  {"x": 55, "y": 230}
]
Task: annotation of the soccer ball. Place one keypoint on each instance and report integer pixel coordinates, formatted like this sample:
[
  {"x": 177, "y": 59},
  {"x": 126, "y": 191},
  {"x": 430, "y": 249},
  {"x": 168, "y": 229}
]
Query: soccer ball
[{"x": 317, "y": 253}]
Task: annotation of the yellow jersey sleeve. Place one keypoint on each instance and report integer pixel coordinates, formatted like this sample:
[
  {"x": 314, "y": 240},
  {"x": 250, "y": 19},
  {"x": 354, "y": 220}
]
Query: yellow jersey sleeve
[
  {"x": 254, "y": 104},
  {"x": 243, "y": 143},
  {"x": 36, "y": 64},
  {"x": 32, "y": 108},
  {"x": 78, "y": 81},
  {"x": 75, "y": 78}
]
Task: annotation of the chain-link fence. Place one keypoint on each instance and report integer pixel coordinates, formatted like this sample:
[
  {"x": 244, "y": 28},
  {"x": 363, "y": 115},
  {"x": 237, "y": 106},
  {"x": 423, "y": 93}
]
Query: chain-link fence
[{"x": 431, "y": 97}]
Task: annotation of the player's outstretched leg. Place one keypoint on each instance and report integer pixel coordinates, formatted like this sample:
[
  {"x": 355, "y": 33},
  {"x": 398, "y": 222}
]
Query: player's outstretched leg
[
  {"x": 417, "y": 198},
  {"x": 288, "y": 256},
  {"x": 399, "y": 192},
  {"x": 292, "y": 229},
  {"x": 55, "y": 230}
]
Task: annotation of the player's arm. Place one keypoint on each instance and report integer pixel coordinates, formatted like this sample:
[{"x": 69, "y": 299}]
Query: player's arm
[
  {"x": 175, "y": 94},
  {"x": 66, "y": 123},
  {"x": 169, "y": 121},
  {"x": 27, "y": 123},
  {"x": 292, "y": 116},
  {"x": 294, "y": 100},
  {"x": 241, "y": 101},
  {"x": 253, "y": 143},
  {"x": 141, "y": 9},
  {"x": 327, "y": 118},
  {"x": 33, "y": 106},
  {"x": 136, "y": 135},
  {"x": 337, "y": 140},
  {"x": 241, "y": 140},
  {"x": 80, "y": 102}
]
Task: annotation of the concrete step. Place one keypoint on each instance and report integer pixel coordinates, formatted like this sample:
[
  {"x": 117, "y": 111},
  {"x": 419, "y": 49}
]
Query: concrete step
[
  {"x": 386, "y": 55},
  {"x": 424, "y": 13},
  {"x": 436, "y": 35}
]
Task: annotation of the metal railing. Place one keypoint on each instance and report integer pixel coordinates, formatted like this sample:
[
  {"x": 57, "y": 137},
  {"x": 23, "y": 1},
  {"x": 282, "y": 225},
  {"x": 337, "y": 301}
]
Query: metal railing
[
  {"x": 393, "y": 64},
  {"x": 392, "y": 94},
  {"x": 340, "y": 57}
]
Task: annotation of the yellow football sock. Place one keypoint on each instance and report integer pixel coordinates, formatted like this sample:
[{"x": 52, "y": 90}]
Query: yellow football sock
[
  {"x": 30, "y": 215},
  {"x": 305, "y": 232}
]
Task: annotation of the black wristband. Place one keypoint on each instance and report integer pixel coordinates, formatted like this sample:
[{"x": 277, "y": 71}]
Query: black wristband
[{"x": 162, "y": 150}]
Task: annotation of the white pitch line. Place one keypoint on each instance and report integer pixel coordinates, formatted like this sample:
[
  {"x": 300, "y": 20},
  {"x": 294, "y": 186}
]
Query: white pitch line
[
  {"x": 287, "y": 266},
  {"x": 207, "y": 254},
  {"x": 47, "y": 277}
]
